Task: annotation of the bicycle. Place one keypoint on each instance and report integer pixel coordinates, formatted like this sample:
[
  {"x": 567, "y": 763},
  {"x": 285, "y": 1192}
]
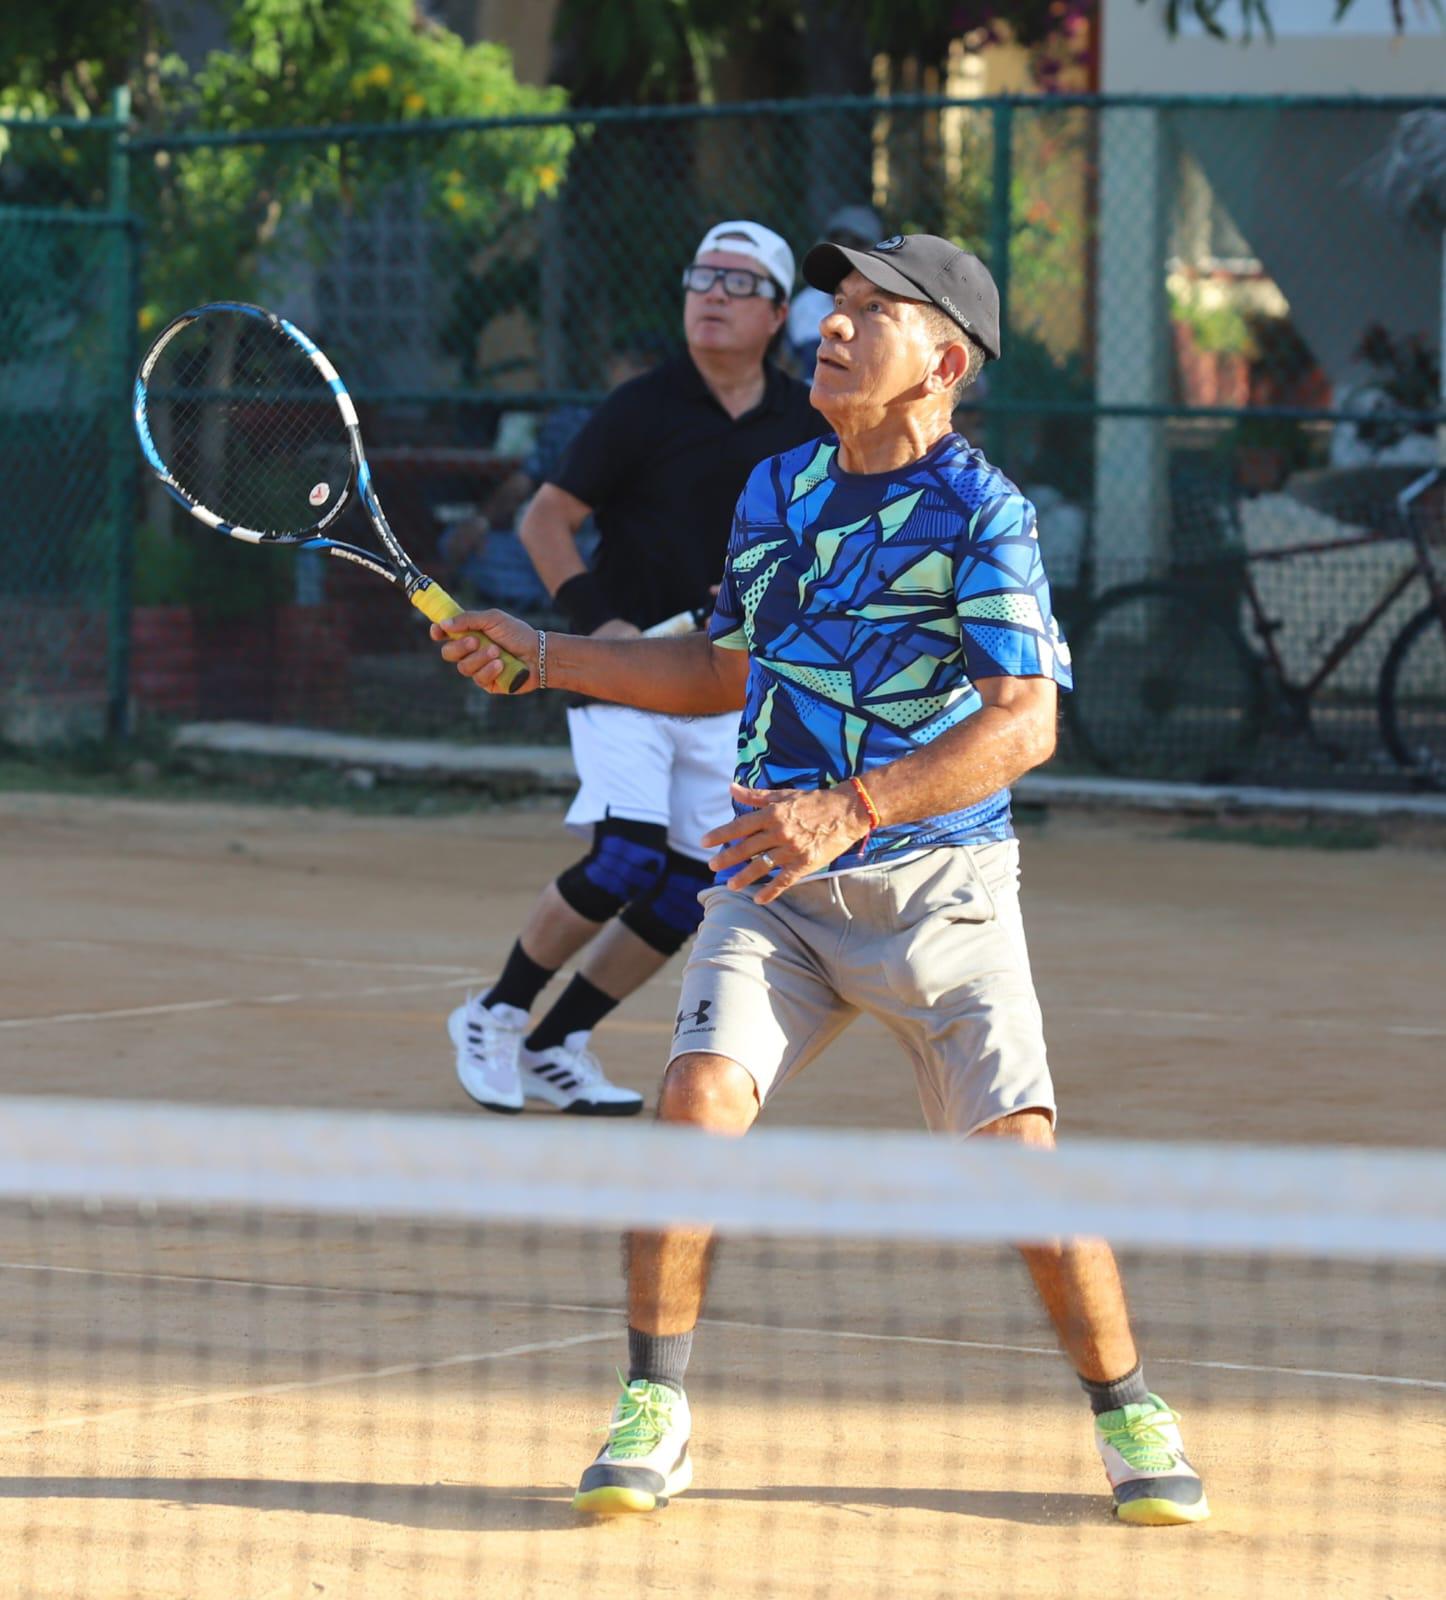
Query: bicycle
[{"x": 1167, "y": 684}]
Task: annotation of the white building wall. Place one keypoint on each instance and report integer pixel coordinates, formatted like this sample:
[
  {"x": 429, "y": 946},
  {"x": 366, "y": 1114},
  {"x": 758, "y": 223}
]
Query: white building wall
[{"x": 1308, "y": 56}]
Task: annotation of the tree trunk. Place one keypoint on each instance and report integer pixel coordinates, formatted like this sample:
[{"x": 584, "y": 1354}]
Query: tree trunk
[{"x": 838, "y": 144}]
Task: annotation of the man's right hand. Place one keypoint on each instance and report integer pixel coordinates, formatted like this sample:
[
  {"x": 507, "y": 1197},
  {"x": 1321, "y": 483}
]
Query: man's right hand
[{"x": 470, "y": 640}]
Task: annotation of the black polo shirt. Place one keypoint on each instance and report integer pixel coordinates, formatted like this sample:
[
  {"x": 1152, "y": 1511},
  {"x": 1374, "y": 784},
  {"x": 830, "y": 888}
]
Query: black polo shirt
[{"x": 662, "y": 464}]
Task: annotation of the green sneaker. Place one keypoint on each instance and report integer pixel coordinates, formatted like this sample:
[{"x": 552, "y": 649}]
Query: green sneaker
[
  {"x": 1154, "y": 1485},
  {"x": 645, "y": 1459}
]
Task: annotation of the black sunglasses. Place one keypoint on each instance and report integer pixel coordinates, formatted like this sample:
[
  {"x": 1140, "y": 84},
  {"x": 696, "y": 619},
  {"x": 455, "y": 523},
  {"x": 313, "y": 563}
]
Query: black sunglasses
[{"x": 738, "y": 282}]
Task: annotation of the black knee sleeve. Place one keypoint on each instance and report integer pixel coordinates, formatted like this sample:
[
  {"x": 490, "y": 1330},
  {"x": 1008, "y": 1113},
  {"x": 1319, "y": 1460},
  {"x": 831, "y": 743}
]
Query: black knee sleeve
[
  {"x": 668, "y": 916},
  {"x": 626, "y": 862}
]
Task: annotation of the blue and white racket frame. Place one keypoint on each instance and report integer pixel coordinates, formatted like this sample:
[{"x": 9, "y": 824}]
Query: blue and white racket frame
[{"x": 401, "y": 571}]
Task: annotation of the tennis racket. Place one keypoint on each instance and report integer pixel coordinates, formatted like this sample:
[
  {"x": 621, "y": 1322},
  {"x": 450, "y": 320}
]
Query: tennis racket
[{"x": 249, "y": 427}]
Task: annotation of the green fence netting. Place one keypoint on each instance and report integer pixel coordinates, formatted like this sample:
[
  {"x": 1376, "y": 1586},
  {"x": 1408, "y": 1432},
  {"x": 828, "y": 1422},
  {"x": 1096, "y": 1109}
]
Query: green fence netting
[
  {"x": 67, "y": 307},
  {"x": 1223, "y": 335}
]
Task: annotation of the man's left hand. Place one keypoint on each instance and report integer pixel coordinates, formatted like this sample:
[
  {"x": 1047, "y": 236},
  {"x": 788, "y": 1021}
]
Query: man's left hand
[{"x": 788, "y": 833}]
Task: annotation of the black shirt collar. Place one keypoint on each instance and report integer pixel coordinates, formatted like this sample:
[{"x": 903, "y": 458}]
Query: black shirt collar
[{"x": 692, "y": 383}]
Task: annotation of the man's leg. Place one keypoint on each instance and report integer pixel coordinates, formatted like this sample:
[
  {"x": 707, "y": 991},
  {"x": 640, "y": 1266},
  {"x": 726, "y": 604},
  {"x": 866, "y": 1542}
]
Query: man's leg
[
  {"x": 1079, "y": 1283},
  {"x": 667, "y": 1271},
  {"x": 690, "y": 763},
  {"x": 646, "y": 1457},
  {"x": 625, "y": 862},
  {"x": 631, "y": 948},
  {"x": 754, "y": 1009}
]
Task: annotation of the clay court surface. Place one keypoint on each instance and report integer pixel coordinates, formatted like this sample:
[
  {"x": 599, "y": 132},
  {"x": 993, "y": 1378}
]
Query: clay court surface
[{"x": 195, "y": 1408}]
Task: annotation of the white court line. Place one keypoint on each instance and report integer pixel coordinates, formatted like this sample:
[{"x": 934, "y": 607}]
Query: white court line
[
  {"x": 174, "y": 1007},
  {"x": 232, "y": 957},
  {"x": 1256, "y": 1020},
  {"x": 366, "y": 1375},
  {"x": 462, "y": 976},
  {"x": 726, "y": 1322}
]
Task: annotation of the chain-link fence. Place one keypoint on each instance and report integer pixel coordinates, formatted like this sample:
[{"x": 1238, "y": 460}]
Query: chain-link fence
[
  {"x": 1222, "y": 341},
  {"x": 67, "y": 310}
]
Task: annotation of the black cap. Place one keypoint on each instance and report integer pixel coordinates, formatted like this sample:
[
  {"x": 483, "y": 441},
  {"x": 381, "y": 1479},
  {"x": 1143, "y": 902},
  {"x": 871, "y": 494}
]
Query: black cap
[{"x": 918, "y": 266}]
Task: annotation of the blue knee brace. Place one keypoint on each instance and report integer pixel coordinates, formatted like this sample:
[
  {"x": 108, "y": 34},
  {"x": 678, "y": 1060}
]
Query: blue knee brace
[
  {"x": 668, "y": 916},
  {"x": 626, "y": 862}
]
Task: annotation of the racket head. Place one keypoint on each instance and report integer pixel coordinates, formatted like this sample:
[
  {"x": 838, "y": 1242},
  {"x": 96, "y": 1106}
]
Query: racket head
[{"x": 247, "y": 424}]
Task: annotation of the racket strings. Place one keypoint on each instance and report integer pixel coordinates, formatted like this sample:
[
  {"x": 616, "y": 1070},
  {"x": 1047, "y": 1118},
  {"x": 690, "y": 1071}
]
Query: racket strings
[{"x": 248, "y": 426}]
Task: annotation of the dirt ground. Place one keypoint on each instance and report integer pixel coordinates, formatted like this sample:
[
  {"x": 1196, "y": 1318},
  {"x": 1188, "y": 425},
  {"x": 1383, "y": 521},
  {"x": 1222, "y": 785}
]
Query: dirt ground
[{"x": 193, "y": 1408}]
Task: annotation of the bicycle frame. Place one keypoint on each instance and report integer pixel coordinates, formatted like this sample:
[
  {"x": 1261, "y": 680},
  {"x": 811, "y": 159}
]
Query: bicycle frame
[{"x": 1421, "y": 566}]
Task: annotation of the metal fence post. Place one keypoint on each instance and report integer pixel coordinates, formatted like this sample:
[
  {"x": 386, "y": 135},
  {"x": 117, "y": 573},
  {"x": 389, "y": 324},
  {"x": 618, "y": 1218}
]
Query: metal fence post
[
  {"x": 121, "y": 466},
  {"x": 996, "y": 429}
]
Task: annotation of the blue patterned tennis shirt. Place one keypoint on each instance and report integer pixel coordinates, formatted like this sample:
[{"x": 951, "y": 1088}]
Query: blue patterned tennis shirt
[{"x": 870, "y": 604}]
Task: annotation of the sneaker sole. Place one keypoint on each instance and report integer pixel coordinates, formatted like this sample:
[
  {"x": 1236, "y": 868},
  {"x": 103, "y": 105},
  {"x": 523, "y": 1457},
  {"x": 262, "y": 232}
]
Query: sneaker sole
[
  {"x": 607, "y": 1109},
  {"x": 617, "y": 1500},
  {"x": 1162, "y": 1513},
  {"x": 533, "y": 1088},
  {"x": 492, "y": 1105}
]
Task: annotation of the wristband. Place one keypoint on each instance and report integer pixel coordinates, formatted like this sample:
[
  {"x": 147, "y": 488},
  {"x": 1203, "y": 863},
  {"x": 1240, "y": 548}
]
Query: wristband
[
  {"x": 584, "y": 603},
  {"x": 870, "y": 807}
]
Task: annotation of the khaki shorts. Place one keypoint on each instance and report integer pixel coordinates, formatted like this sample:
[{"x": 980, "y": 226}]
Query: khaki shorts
[{"x": 934, "y": 948}]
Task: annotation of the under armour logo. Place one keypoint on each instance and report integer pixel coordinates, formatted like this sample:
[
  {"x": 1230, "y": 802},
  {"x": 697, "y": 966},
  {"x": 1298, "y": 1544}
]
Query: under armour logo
[{"x": 698, "y": 1018}]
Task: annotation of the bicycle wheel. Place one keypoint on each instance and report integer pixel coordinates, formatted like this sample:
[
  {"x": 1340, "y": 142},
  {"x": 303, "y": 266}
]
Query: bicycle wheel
[
  {"x": 1164, "y": 688},
  {"x": 1412, "y": 698}
]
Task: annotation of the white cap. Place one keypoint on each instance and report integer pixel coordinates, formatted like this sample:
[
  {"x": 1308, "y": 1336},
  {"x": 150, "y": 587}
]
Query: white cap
[{"x": 769, "y": 249}]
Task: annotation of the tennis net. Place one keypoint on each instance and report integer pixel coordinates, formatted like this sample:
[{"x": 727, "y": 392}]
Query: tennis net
[{"x": 294, "y": 1353}]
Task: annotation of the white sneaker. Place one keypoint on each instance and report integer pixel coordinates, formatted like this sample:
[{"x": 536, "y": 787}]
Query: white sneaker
[
  {"x": 646, "y": 1456},
  {"x": 488, "y": 1042},
  {"x": 1154, "y": 1484},
  {"x": 570, "y": 1077}
]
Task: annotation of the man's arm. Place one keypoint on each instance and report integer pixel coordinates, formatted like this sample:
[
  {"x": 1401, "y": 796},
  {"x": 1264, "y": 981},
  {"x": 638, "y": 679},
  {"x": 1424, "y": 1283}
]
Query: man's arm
[
  {"x": 549, "y": 536},
  {"x": 1012, "y": 732},
  {"x": 803, "y": 830},
  {"x": 548, "y": 532},
  {"x": 687, "y": 677}
]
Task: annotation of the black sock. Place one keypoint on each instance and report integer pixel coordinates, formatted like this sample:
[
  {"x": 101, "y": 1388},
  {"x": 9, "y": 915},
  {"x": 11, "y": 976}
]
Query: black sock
[
  {"x": 1131, "y": 1390},
  {"x": 579, "y": 1008},
  {"x": 659, "y": 1357},
  {"x": 521, "y": 982}
]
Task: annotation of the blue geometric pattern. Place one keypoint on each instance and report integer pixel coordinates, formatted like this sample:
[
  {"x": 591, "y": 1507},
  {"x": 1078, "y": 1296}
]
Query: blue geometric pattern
[{"x": 870, "y": 604}]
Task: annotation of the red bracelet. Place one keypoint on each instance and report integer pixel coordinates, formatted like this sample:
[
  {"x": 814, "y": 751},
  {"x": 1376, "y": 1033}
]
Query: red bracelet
[{"x": 870, "y": 807}]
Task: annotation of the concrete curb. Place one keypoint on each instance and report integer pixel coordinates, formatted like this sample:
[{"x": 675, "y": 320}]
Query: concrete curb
[{"x": 548, "y": 768}]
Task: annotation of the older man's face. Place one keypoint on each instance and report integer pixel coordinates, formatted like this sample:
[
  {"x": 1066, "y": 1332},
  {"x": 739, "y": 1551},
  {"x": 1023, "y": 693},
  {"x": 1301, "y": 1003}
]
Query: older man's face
[
  {"x": 874, "y": 350},
  {"x": 715, "y": 321}
]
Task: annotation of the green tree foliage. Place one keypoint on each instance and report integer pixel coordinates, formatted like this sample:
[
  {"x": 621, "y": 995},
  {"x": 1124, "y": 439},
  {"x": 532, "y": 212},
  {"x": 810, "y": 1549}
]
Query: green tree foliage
[
  {"x": 212, "y": 210},
  {"x": 330, "y": 63},
  {"x": 672, "y": 52},
  {"x": 65, "y": 57}
]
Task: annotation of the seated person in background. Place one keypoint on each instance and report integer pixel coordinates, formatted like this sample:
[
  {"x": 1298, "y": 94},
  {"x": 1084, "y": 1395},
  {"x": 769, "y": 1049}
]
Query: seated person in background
[
  {"x": 855, "y": 227},
  {"x": 474, "y": 563}
]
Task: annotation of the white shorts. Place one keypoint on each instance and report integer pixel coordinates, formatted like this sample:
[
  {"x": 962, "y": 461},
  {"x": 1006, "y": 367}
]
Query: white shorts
[{"x": 645, "y": 767}]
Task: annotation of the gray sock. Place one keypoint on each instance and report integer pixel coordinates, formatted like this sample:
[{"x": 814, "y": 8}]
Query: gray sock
[
  {"x": 659, "y": 1357},
  {"x": 1131, "y": 1390}
]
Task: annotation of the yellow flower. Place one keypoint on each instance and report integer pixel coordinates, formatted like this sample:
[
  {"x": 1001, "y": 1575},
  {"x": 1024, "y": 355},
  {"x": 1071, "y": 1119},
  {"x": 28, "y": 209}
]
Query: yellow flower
[
  {"x": 380, "y": 75},
  {"x": 456, "y": 199},
  {"x": 146, "y": 318},
  {"x": 547, "y": 177},
  {"x": 414, "y": 102}
]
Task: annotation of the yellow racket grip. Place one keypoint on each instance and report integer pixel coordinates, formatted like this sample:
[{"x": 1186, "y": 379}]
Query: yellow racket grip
[{"x": 433, "y": 601}]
